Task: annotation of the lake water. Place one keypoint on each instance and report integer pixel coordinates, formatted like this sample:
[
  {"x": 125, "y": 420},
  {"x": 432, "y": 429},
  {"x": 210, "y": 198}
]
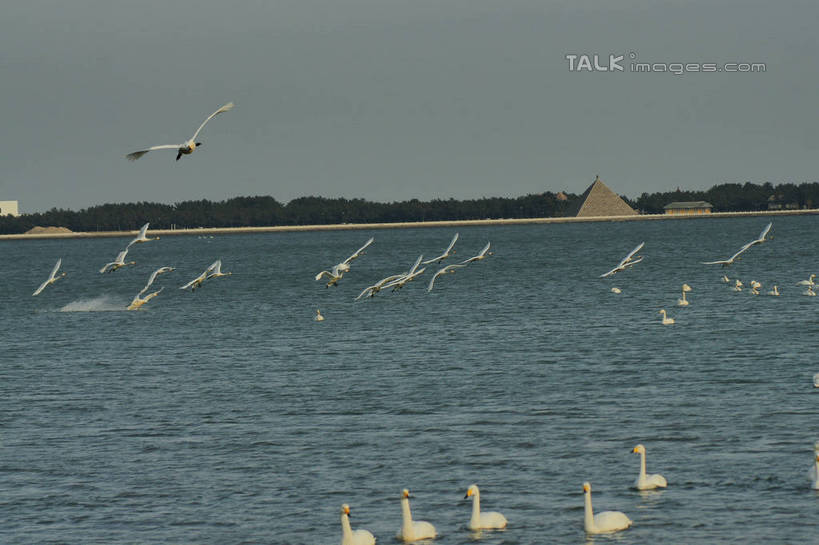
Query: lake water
[{"x": 230, "y": 416}]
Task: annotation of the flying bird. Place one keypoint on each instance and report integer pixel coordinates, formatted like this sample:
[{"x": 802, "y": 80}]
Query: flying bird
[
  {"x": 118, "y": 263},
  {"x": 375, "y": 288},
  {"x": 199, "y": 280},
  {"x": 338, "y": 270},
  {"x": 628, "y": 261},
  {"x": 141, "y": 236},
  {"x": 481, "y": 255},
  {"x": 730, "y": 261},
  {"x": 449, "y": 269},
  {"x": 216, "y": 270},
  {"x": 138, "y": 300},
  {"x": 161, "y": 270},
  {"x": 448, "y": 252},
  {"x": 51, "y": 278},
  {"x": 187, "y": 147}
]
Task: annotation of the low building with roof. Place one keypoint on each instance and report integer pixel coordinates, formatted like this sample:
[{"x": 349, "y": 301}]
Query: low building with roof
[
  {"x": 9, "y": 208},
  {"x": 688, "y": 208}
]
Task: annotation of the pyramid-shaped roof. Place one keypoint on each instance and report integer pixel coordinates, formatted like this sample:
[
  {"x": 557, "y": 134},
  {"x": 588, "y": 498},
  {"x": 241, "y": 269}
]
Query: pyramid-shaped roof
[{"x": 599, "y": 200}]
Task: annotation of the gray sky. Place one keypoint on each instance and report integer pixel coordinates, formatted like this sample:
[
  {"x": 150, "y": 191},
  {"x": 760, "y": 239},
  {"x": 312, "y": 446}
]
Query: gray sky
[{"x": 398, "y": 99}]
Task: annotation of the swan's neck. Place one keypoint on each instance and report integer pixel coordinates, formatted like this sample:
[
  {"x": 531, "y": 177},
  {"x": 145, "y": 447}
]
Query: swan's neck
[
  {"x": 476, "y": 509},
  {"x": 588, "y": 519},
  {"x": 406, "y": 517},
  {"x": 642, "y": 465},
  {"x": 346, "y": 530}
]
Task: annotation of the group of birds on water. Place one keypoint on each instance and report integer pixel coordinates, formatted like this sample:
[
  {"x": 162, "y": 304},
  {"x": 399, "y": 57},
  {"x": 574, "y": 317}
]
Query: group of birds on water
[
  {"x": 213, "y": 271},
  {"x": 603, "y": 522},
  {"x": 630, "y": 260},
  {"x": 397, "y": 281}
]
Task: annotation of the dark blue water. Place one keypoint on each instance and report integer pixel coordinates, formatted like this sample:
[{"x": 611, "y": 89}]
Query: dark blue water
[{"x": 229, "y": 416}]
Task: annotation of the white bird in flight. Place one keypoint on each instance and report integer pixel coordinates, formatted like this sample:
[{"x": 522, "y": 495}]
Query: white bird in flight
[
  {"x": 185, "y": 148},
  {"x": 448, "y": 252},
  {"x": 199, "y": 280},
  {"x": 118, "y": 263},
  {"x": 628, "y": 261},
  {"x": 216, "y": 270},
  {"x": 161, "y": 270},
  {"x": 138, "y": 300},
  {"x": 141, "y": 236},
  {"x": 449, "y": 269},
  {"x": 51, "y": 278},
  {"x": 375, "y": 288},
  {"x": 338, "y": 270},
  {"x": 411, "y": 275},
  {"x": 481, "y": 255},
  {"x": 759, "y": 240}
]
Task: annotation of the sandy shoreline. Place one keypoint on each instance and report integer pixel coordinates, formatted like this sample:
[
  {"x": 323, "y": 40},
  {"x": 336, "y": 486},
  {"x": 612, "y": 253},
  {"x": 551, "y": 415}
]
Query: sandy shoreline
[{"x": 399, "y": 225}]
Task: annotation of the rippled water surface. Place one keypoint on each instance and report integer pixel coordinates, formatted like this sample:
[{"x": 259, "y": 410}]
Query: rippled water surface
[{"x": 229, "y": 415}]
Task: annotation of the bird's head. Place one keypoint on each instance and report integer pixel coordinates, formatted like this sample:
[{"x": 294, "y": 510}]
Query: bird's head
[
  {"x": 405, "y": 493},
  {"x": 471, "y": 491},
  {"x": 345, "y": 510},
  {"x": 639, "y": 449},
  {"x": 197, "y": 144},
  {"x": 586, "y": 487}
]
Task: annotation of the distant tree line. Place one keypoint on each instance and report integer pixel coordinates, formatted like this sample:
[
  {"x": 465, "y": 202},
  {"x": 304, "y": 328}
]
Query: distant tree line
[{"x": 267, "y": 211}]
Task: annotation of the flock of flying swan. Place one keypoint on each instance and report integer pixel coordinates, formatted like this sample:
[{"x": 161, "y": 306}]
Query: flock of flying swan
[{"x": 213, "y": 271}]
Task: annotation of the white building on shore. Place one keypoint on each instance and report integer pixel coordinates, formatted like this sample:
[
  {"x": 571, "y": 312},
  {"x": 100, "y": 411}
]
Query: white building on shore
[{"x": 9, "y": 208}]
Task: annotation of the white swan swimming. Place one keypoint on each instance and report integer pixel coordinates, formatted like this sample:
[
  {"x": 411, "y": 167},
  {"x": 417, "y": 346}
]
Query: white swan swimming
[
  {"x": 737, "y": 285},
  {"x": 683, "y": 302},
  {"x": 188, "y": 146},
  {"x": 725, "y": 279},
  {"x": 755, "y": 287},
  {"x": 605, "y": 522},
  {"x": 51, "y": 278},
  {"x": 412, "y": 530},
  {"x": 485, "y": 520},
  {"x": 815, "y": 470},
  {"x": 628, "y": 261},
  {"x": 350, "y": 537},
  {"x": 141, "y": 236},
  {"x": 774, "y": 291},
  {"x": 666, "y": 319},
  {"x": 319, "y": 317},
  {"x": 816, "y": 383},
  {"x": 118, "y": 263},
  {"x": 808, "y": 282},
  {"x": 647, "y": 482},
  {"x": 616, "y": 290},
  {"x": 448, "y": 252},
  {"x": 809, "y": 292}
]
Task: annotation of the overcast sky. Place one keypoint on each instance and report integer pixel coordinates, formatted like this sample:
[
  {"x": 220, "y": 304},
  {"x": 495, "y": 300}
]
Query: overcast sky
[{"x": 397, "y": 99}]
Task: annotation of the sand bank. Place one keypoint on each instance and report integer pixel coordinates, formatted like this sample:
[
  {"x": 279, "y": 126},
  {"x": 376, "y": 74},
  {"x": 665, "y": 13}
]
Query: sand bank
[{"x": 397, "y": 225}]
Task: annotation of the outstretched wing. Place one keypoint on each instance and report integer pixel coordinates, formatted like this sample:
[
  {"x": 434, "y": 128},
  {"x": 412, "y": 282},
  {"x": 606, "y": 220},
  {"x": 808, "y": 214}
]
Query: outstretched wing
[
  {"x": 451, "y": 244},
  {"x": 55, "y": 269},
  {"x": 137, "y": 154},
  {"x": 225, "y": 108},
  {"x": 357, "y": 254},
  {"x": 631, "y": 253},
  {"x": 41, "y": 288},
  {"x": 415, "y": 266},
  {"x": 611, "y": 272}
]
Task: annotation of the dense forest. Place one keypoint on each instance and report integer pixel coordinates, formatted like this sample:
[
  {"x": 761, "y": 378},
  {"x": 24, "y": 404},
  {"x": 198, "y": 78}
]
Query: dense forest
[{"x": 267, "y": 211}]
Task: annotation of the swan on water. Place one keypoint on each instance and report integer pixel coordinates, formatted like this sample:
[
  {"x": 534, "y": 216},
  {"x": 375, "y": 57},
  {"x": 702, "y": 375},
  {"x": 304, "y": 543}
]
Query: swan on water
[
  {"x": 647, "y": 482},
  {"x": 737, "y": 285},
  {"x": 683, "y": 302},
  {"x": 666, "y": 319},
  {"x": 628, "y": 261},
  {"x": 774, "y": 291},
  {"x": 605, "y": 522},
  {"x": 808, "y": 282},
  {"x": 51, "y": 278},
  {"x": 816, "y": 384},
  {"x": 448, "y": 252},
  {"x": 616, "y": 290},
  {"x": 485, "y": 520},
  {"x": 412, "y": 530},
  {"x": 809, "y": 292},
  {"x": 185, "y": 148},
  {"x": 350, "y": 536},
  {"x": 118, "y": 263},
  {"x": 319, "y": 317},
  {"x": 755, "y": 287}
]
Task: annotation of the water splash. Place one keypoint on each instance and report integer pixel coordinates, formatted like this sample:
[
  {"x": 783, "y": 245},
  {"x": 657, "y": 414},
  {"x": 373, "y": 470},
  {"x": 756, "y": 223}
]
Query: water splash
[{"x": 102, "y": 303}]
